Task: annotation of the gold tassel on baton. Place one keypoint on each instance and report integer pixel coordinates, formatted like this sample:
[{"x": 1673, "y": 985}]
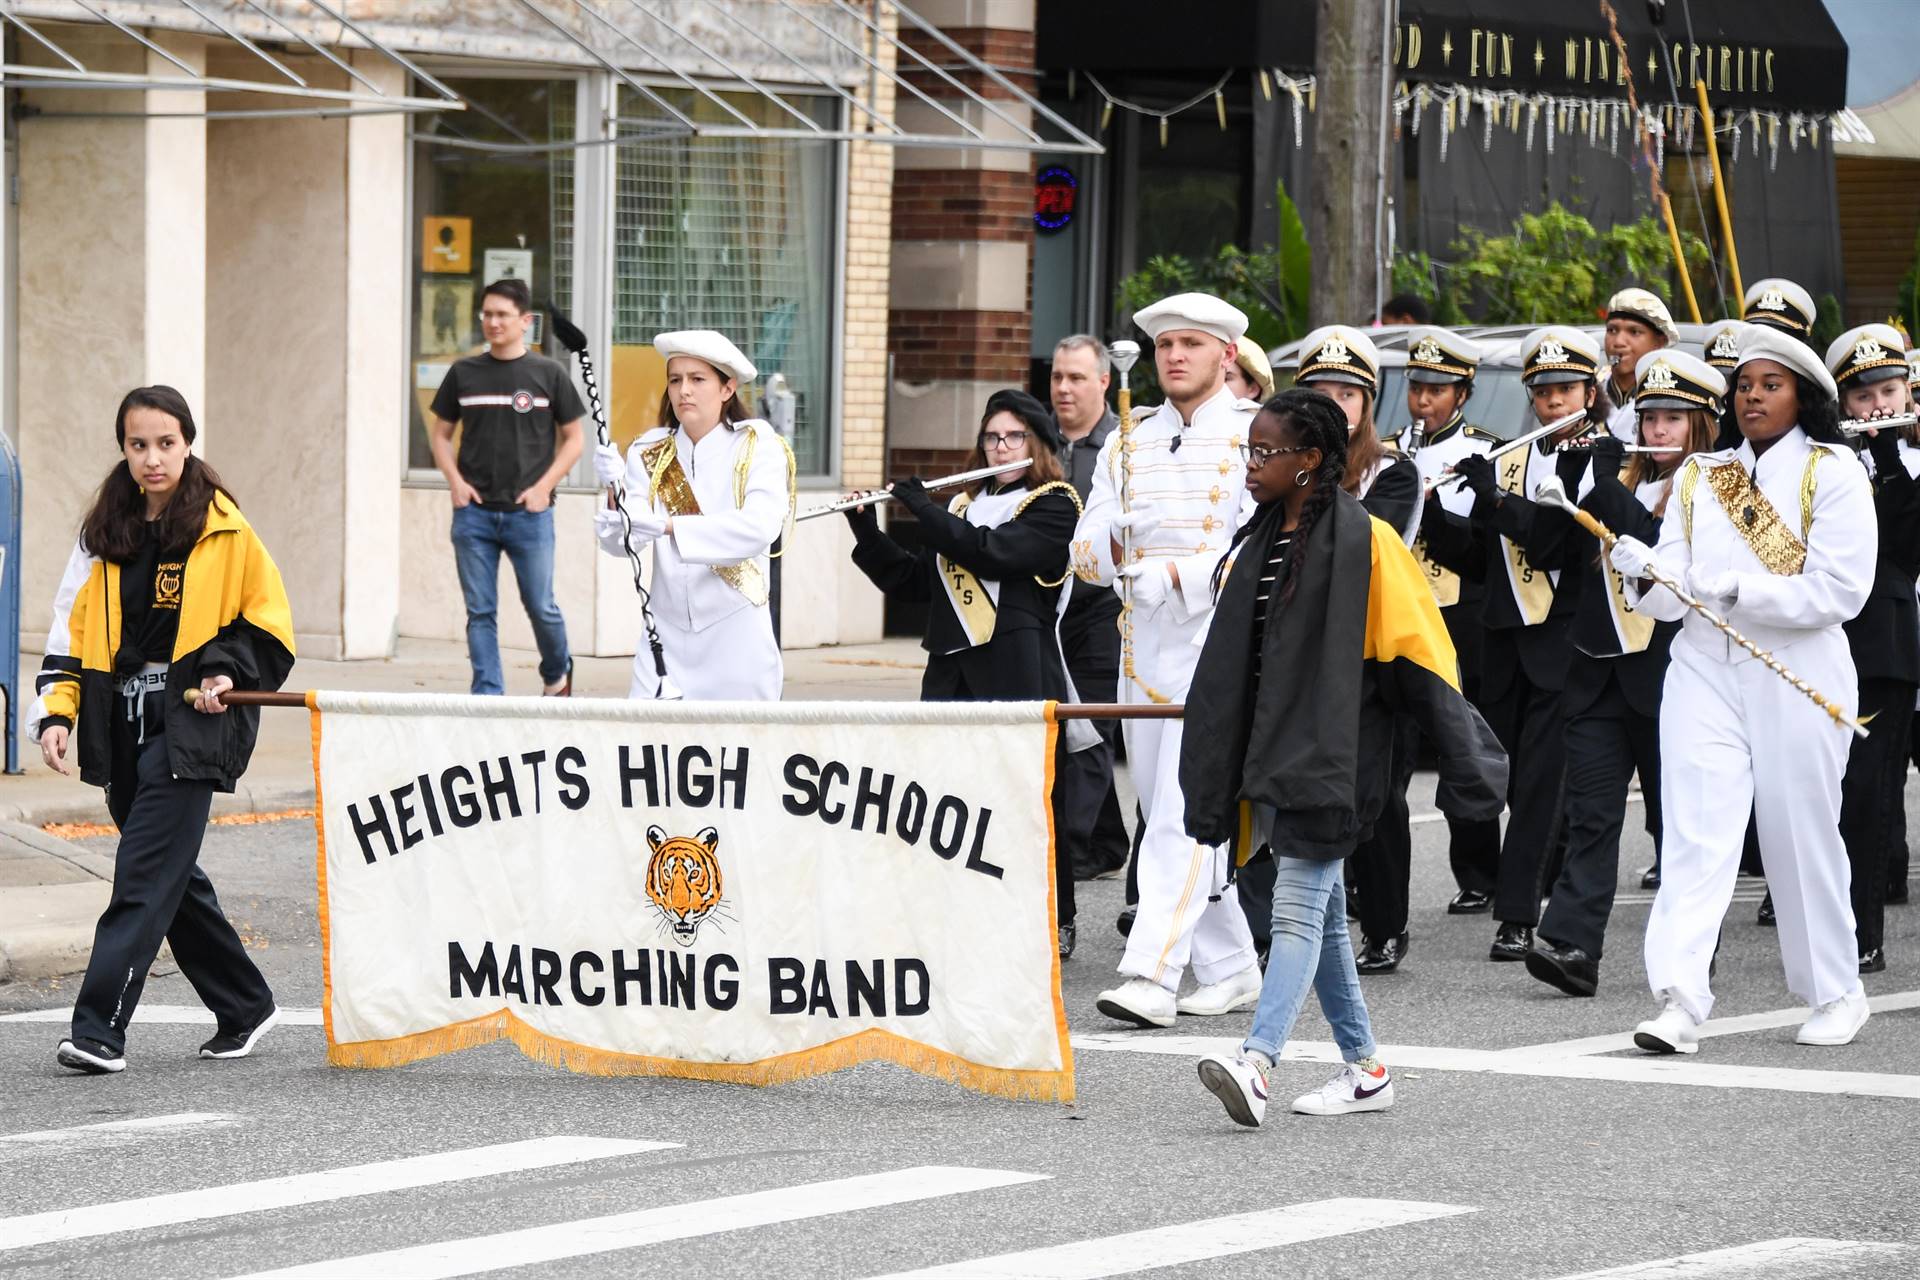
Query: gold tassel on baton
[{"x": 1551, "y": 492}]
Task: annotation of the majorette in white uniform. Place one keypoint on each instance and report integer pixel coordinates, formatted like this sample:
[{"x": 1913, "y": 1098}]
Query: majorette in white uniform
[
  {"x": 1636, "y": 304},
  {"x": 1733, "y": 733},
  {"x": 1190, "y": 478},
  {"x": 710, "y": 575}
]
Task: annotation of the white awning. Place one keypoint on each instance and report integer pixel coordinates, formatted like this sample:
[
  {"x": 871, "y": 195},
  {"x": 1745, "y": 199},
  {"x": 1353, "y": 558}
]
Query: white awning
[
  {"x": 299, "y": 22},
  {"x": 668, "y": 53}
]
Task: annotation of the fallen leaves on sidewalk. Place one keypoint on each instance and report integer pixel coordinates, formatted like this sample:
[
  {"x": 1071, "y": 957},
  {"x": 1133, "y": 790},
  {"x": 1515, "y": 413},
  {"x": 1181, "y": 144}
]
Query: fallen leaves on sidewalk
[{"x": 91, "y": 830}]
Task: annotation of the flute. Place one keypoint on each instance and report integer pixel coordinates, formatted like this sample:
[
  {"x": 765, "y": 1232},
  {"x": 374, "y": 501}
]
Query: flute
[
  {"x": 944, "y": 482},
  {"x": 1581, "y": 446},
  {"x": 1552, "y": 493},
  {"x": 1860, "y": 426},
  {"x": 1521, "y": 442}
]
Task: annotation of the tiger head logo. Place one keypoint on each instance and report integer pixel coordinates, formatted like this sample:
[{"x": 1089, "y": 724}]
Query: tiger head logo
[{"x": 683, "y": 881}]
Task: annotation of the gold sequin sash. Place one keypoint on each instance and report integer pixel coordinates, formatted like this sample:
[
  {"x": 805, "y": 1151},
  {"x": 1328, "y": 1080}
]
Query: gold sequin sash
[
  {"x": 1755, "y": 519},
  {"x": 668, "y": 484}
]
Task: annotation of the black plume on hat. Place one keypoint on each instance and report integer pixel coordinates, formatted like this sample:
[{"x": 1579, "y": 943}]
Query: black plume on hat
[{"x": 1037, "y": 416}]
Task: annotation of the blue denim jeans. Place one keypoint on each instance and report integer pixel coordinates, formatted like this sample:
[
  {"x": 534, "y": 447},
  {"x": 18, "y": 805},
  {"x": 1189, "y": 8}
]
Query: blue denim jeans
[
  {"x": 1310, "y": 948},
  {"x": 479, "y": 536}
]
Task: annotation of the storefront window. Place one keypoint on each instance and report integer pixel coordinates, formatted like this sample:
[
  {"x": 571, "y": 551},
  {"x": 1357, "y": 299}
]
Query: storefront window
[
  {"x": 734, "y": 234},
  {"x": 481, "y": 215}
]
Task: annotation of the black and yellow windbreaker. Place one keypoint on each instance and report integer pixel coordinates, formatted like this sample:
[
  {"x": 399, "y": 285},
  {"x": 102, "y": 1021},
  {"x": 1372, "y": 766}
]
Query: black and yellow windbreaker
[
  {"x": 234, "y": 621},
  {"x": 1360, "y": 643}
]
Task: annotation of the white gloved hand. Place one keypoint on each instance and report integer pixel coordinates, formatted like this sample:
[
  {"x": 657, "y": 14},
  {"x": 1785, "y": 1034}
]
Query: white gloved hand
[
  {"x": 1151, "y": 584},
  {"x": 1632, "y": 558},
  {"x": 1716, "y": 589},
  {"x": 1140, "y": 521},
  {"x": 609, "y": 467},
  {"x": 610, "y": 529}
]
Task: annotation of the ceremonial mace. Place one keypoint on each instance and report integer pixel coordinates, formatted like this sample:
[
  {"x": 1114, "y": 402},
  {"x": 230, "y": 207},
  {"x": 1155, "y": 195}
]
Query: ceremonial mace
[
  {"x": 1123, "y": 354},
  {"x": 1552, "y": 493},
  {"x": 570, "y": 336}
]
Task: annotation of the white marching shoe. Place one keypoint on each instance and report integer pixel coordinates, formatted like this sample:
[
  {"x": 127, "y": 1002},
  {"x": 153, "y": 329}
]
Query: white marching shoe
[
  {"x": 1672, "y": 1031},
  {"x": 1836, "y": 1022},
  {"x": 1141, "y": 1001},
  {"x": 1240, "y": 991},
  {"x": 1239, "y": 1083}
]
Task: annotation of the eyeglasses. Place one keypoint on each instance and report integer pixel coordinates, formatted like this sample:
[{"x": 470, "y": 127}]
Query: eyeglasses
[
  {"x": 1011, "y": 440},
  {"x": 1258, "y": 456}
]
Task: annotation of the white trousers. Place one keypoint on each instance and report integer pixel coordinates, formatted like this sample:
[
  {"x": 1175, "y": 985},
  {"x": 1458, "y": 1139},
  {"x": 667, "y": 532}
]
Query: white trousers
[
  {"x": 1733, "y": 734},
  {"x": 1185, "y": 917},
  {"x": 735, "y": 659}
]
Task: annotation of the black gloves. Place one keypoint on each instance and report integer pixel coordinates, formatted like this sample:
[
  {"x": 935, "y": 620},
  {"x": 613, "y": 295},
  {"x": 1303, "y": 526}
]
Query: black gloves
[
  {"x": 1608, "y": 455},
  {"x": 911, "y": 493},
  {"x": 864, "y": 521},
  {"x": 1476, "y": 472}
]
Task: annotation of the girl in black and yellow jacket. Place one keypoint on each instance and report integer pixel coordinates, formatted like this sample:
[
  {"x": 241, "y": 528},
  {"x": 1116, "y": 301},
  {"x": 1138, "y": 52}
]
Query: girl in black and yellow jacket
[{"x": 181, "y": 602}]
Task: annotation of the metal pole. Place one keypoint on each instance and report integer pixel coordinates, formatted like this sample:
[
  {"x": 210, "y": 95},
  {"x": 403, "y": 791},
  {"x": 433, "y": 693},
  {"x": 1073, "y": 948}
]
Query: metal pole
[
  {"x": 1720, "y": 197},
  {"x": 1061, "y": 711}
]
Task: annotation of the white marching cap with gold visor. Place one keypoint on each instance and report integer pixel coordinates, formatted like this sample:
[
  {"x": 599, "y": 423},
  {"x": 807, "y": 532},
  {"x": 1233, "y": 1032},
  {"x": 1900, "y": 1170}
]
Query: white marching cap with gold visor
[
  {"x": 1764, "y": 342},
  {"x": 1339, "y": 353},
  {"x": 1668, "y": 379},
  {"x": 1871, "y": 353}
]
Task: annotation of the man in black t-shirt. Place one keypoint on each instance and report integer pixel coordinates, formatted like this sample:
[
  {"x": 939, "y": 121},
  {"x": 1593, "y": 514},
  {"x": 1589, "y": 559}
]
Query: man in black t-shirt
[{"x": 520, "y": 433}]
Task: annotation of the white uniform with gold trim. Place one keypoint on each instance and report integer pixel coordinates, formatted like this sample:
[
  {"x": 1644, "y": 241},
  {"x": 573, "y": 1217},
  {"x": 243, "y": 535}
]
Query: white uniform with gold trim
[
  {"x": 719, "y": 642},
  {"x": 1200, "y": 490},
  {"x": 1733, "y": 733}
]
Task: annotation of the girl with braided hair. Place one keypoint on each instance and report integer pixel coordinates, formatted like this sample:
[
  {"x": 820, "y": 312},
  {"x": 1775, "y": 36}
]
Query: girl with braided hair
[{"x": 1330, "y": 600}]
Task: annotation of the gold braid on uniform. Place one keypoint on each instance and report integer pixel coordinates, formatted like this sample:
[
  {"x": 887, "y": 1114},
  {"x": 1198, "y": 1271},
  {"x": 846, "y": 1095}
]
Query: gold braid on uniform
[
  {"x": 1052, "y": 486},
  {"x": 1126, "y": 589}
]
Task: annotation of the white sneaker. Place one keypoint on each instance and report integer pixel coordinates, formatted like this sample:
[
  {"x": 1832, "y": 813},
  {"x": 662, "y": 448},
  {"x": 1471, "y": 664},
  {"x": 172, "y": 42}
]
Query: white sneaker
[
  {"x": 1240, "y": 1085},
  {"x": 1672, "y": 1031},
  {"x": 1141, "y": 1001},
  {"x": 1836, "y": 1022},
  {"x": 1360, "y": 1086},
  {"x": 1240, "y": 991}
]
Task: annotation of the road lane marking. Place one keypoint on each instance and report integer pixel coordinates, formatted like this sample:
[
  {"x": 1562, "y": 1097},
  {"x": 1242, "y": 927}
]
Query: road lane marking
[
  {"x": 533, "y": 1246},
  {"x": 1794, "y": 1256},
  {"x": 1191, "y": 1241},
  {"x": 184, "y": 1015},
  {"x": 1892, "y": 1002},
  {"x": 144, "y": 1124},
  {"x": 1643, "y": 1070},
  {"x": 238, "y": 1198}
]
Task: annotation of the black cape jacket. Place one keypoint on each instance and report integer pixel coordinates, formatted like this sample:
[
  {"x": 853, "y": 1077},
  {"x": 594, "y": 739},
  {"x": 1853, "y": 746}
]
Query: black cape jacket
[{"x": 1360, "y": 642}]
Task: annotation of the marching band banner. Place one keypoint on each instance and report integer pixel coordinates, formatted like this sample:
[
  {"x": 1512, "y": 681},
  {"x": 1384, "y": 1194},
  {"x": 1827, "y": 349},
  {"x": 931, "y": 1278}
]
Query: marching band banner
[{"x": 747, "y": 892}]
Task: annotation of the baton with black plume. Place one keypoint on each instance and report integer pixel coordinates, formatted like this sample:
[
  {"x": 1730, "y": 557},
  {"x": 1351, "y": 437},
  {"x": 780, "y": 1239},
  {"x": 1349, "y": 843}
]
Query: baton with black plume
[{"x": 570, "y": 336}]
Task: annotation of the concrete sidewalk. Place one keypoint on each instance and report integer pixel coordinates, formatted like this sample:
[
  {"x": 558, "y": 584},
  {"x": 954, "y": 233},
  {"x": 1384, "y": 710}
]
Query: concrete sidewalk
[{"x": 51, "y": 891}]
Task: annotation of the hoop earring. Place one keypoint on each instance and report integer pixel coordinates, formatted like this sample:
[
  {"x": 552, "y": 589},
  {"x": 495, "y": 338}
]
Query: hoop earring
[{"x": 1301, "y": 476}]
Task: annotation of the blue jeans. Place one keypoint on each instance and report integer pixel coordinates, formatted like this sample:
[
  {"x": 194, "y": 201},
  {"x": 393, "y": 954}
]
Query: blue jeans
[
  {"x": 479, "y": 536},
  {"x": 1310, "y": 948}
]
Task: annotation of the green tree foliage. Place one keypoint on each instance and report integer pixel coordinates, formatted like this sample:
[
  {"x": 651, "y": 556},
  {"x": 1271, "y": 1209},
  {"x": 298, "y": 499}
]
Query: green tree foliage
[{"x": 1555, "y": 267}]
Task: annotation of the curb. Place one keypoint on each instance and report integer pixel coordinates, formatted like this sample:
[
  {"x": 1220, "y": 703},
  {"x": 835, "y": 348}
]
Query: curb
[{"x": 267, "y": 798}]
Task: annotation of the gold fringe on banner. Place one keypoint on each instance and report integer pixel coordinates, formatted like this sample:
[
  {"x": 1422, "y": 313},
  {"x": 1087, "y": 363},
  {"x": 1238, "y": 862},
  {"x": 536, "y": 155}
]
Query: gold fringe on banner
[{"x": 871, "y": 1045}]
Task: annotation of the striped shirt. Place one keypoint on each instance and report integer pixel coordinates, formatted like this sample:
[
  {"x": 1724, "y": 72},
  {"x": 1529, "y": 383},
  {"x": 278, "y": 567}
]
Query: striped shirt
[{"x": 1269, "y": 575}]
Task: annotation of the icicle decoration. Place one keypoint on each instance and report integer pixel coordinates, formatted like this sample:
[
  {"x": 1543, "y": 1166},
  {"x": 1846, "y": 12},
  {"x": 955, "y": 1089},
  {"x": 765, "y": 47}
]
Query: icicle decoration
[
  {"x": 1553, "y": 124},
  {"x": 1446, "y": 125},
  {"x": 1300, "y": 114},
  {"x": 1613, "y": 131},
  {"x": 1773, "y": 143},
  {"x": 1659, "y": 146},
  {"x": 1793, "y": 133},
  {"x": 1533, "y": 117},
  {"x": 1489, "y": 106},
  {"x": 1419, "y": 107},
  {"x": 1266, "y": 84}
]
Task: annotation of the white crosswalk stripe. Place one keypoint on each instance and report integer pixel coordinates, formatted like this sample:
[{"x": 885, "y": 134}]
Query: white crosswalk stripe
[
  {"x": 1798, "y": 1257},
  {"x": 311, "y": 1188},
  {"x": 184, "y": 1015},
  {"x": 79, "y": 1133},
  {"x": 562, "y": 1240},
  {"x": 1190, "y": 1241}
]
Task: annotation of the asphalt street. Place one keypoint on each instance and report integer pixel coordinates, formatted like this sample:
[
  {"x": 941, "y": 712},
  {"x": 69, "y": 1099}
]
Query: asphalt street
[{"x": 1511, "y": 1153}]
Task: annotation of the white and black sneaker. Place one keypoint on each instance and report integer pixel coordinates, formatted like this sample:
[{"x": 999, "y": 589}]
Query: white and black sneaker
[
  {"x": 238, "y": 1044},
  {"x": 1240, "y": 1082},
  {"x": 1361, "y": 1086},
  {"x": 90, "y": 1056}
]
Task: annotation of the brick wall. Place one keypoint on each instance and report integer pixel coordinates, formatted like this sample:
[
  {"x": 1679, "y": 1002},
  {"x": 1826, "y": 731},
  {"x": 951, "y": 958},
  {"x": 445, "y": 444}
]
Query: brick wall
[{"x": 869, "y": 271}]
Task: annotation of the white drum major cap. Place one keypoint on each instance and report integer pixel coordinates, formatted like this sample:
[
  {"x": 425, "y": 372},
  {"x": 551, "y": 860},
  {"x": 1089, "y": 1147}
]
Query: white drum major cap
[
  {"x": 710, "y": 345},
  {"x": 1202, "y": 311},
  {"x": 1764, "y": 342}
]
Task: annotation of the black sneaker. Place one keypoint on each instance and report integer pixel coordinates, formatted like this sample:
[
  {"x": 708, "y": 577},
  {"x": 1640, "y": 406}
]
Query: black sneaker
[
  {"x": 90, "y": 1056},
  {"x": 238, "y": 1044}
]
